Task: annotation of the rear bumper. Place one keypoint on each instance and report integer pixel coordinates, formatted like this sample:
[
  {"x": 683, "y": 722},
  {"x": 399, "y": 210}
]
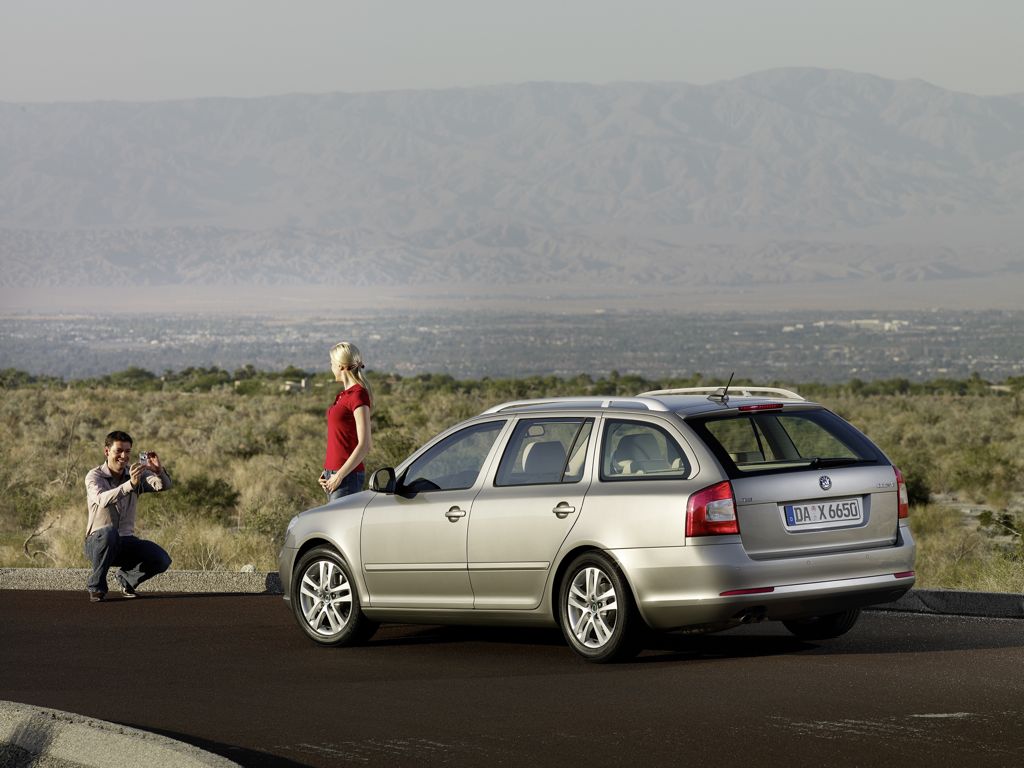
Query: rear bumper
[{"x": 678, "y": 587}]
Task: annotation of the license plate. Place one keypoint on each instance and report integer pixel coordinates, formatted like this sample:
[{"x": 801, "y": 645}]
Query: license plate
[{"x": 816, "y": 515}]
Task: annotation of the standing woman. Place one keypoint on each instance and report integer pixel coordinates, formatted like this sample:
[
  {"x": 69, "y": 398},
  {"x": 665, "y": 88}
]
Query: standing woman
[{"x": 348, "y": 425}]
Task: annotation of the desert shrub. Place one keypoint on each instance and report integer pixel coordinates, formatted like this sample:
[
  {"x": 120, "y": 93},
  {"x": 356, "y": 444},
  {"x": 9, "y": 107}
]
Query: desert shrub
[
  {"x": 391, "y": 447},
  {"x": 197, "y": 379},
  {"x": 24, "y": 507},
  {"x": 952, "y": 553},
  {"x": 1003, "y": 525},
  {"x": 54, "y": 542},
  {"x": 136, "y": 379},
  {"x": 250, "y": 387},
  {"x": 202, "y": 496},
  {"x": 269, "y": 520},
  {"x": 62, "y": 543},
  {"x": 971, "y": 444}
]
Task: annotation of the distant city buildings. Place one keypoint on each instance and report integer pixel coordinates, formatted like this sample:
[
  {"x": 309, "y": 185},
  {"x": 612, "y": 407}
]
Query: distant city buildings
[{"x": 790, "y": 347}]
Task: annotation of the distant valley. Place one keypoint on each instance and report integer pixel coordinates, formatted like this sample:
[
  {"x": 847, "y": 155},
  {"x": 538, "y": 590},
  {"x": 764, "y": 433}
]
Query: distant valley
[{"x": 793, "y": 348}]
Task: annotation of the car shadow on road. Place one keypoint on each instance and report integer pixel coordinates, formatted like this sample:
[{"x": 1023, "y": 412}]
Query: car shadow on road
[
  {"x": 656, "y": 647},
  {"x": 659, "y": 647},
  {"x": 417, "y": 634},
  {"x": 912, "y": 633},
  {"x": 676, "y": 646},
  {"x": 916, "y": 634}
]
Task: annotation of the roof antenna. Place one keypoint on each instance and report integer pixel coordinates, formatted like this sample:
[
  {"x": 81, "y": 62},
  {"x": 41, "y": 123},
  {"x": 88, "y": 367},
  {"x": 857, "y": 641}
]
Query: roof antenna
[{"x": 722, "y": 395}]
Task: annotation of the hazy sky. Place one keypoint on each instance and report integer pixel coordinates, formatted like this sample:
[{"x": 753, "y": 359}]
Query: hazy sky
[{"x": 83, "y": 50}]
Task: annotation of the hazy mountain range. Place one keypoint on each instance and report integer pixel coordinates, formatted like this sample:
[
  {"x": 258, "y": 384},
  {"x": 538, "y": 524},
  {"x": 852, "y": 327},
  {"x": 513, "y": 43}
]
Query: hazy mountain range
[{"x": 800, "y": 181}]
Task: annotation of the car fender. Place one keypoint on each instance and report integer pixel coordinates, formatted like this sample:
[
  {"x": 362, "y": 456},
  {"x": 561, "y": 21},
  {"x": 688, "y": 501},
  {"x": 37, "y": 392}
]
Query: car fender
[
  {"x": 565, "y": 556},
  {"x": 338, "y": 525}
]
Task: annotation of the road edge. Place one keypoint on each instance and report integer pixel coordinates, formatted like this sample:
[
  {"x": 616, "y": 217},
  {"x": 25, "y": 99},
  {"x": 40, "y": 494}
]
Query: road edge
[
  {"x": 28, "y": 733},
  {"x": 217, "y": 582},
  {"x": 951, "y": 602}
]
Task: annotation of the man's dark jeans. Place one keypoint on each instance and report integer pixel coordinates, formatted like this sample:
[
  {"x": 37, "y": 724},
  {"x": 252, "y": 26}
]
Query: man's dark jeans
[{"x": 138, "y": 559}]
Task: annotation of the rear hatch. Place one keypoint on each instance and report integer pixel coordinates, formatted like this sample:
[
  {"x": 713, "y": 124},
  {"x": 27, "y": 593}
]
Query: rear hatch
[{"x": 805, "y": 481}]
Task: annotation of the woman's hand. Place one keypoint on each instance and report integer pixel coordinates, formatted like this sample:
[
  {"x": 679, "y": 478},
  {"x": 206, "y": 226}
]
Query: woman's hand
[{"x": 330, "y": 484}]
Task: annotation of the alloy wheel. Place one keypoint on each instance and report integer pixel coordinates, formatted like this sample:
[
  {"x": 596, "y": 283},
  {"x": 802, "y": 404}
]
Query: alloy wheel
[
  {"x": 592, "y": 607},
  {"x": 325, "y": 596}
]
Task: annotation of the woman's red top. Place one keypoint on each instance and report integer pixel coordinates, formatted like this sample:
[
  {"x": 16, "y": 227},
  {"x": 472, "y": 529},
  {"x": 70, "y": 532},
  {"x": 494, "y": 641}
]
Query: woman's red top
[{"x": 342, "y": 437}]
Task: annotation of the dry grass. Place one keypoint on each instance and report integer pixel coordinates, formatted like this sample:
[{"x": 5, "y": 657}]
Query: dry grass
[
  {"x": 263, "y": 452},
  {"x": 953, "y": 554},
  {"x": 195, "y": 544}
]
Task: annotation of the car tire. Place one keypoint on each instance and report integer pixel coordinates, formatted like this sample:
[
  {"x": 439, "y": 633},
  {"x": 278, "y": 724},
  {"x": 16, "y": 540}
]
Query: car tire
[
  {"x": 824, "y": 627},
  {"x": 325, "y": 600},
  {"x": 596, "y": 610}
]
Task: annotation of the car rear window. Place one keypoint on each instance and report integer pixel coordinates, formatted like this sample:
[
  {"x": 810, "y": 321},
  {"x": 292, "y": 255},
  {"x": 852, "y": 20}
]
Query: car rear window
[{"x": 780, "y": 440}]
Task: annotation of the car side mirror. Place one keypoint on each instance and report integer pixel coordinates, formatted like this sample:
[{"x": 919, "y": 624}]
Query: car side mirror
[{"x": 383, "y": 480}]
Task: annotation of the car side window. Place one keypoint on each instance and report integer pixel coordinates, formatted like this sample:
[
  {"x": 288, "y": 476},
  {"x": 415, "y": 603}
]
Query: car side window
[
  {"x": 542, "y": 451},
  {"x": 633, "y": 450},
  {"x": 455, "y": 462}
]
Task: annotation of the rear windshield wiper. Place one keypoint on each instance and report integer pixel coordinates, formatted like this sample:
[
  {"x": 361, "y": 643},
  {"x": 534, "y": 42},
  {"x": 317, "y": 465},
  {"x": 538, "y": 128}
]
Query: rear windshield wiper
[{"x": 837, "y": 461}]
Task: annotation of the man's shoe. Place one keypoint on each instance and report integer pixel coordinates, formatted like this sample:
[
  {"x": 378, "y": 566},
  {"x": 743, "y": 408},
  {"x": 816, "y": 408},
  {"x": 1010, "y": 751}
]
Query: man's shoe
[
  {"x": 128, "y": 591},
  {"x": 96, "y": 597}
]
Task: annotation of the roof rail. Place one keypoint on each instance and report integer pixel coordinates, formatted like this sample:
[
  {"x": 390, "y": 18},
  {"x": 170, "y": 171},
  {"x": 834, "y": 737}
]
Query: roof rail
[
  {"x": 649, "y": 404},
  {"x": 733, "y": 390}
]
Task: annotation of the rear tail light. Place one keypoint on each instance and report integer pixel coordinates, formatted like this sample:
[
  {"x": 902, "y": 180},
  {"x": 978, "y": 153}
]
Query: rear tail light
[
  {"x": 712, "y": 511},
  {"x": 901, "y": 492}
]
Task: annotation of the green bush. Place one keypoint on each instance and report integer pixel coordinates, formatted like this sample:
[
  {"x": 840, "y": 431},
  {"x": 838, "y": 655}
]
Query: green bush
[{"x": 202, "y": 496}]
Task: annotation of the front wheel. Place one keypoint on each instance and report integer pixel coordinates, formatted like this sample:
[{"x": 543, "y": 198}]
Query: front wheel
[
  {"x": 596, "y": 610},
  {"x": 824, "y": 627},
  {"x": 325, "y": 601}
]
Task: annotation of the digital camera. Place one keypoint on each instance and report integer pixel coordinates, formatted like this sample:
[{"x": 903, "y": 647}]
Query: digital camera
[{"x": 144, "y": 457}]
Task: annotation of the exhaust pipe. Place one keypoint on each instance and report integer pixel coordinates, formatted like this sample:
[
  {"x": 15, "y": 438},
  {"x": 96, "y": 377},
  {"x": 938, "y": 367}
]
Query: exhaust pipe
[{"x": 752, "y": 615}]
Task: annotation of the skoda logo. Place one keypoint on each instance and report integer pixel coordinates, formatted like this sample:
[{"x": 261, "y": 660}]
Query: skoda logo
[{"x": 825, "y": 482}]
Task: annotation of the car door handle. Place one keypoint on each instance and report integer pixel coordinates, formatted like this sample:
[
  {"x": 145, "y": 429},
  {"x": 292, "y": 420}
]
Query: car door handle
[
  {"x": 454, "y": 514},
  {"x": 564, "y": 509}
]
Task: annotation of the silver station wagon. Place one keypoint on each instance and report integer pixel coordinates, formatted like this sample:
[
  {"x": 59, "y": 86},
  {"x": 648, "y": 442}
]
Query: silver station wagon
[{"x": 694, "y": 509}]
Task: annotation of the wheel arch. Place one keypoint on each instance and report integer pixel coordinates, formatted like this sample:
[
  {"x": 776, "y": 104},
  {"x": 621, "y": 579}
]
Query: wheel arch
[
  {"x": 322, "y": 541},
  {"x": 313, "y": 543},
  {"x": 563, "y": 566}
]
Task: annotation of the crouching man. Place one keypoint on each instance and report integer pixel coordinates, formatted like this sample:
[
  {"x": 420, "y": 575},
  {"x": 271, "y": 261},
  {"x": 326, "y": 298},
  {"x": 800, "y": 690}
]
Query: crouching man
[{"x": 113, "y": 490}]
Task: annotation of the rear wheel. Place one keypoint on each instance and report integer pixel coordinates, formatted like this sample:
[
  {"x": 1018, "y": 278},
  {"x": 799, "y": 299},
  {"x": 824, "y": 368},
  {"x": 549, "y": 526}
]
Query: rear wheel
[
  {"x": 596, "y": 611},
  {"x": 325, "y": 600},
  {"x": 824, "y": 627}
]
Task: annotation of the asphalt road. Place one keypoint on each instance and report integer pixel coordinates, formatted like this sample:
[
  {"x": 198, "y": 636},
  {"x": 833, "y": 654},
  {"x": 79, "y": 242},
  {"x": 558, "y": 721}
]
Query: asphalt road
[{"x": 232, "y": 674}]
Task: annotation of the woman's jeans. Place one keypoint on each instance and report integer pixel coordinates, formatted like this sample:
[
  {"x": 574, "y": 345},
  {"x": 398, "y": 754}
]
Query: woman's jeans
[
  {"x": 138, "y": 559},
  {"x": 351, "y": 484}
]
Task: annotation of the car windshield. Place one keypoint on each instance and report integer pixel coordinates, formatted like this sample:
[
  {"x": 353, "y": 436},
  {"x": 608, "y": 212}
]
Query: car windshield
[{"x": 777, "y": 440}]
